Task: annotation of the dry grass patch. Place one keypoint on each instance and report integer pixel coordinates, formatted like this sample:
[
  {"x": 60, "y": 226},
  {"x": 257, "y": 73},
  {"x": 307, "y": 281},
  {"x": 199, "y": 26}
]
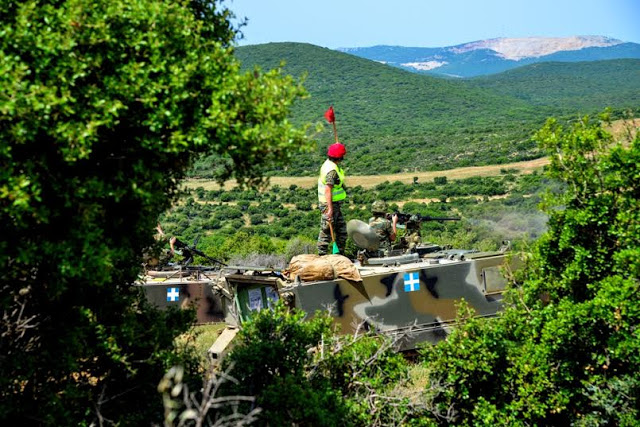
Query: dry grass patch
[
  {"x": 201, "y": 337},
  {"x": 414, "y": 388},
  {"x": 369, "y": 181},
  {"x": 619, "y": 128},
  {"x": 623, "y": 129}
]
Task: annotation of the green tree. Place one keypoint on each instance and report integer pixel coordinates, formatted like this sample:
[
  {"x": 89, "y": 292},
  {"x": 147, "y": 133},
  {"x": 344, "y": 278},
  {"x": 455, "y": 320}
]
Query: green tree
[
  {"x": 566, "y": 350},
  {"x": 103, "y": 106}
]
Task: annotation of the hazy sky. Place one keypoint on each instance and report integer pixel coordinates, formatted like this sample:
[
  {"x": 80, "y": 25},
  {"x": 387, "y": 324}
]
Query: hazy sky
[{"x": 431, "y": 23}]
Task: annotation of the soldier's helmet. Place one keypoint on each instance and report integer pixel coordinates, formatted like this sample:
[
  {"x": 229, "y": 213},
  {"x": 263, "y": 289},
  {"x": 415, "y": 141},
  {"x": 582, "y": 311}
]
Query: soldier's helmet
[{"x": 379, "y": 206}]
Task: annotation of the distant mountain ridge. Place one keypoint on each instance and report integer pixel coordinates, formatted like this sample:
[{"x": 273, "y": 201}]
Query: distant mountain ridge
[
  {"x": 533, "y": 47},
  {"x": 496, "y": 55}
]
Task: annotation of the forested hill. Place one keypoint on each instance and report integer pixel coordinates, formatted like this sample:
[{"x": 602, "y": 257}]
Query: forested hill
[
  {"x": 393, "y": 120},
  {"x": 570, "y": 87}
]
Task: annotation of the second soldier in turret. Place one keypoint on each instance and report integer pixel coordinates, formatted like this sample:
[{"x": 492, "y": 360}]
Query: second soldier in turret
[{"x": 384, "y": 229}]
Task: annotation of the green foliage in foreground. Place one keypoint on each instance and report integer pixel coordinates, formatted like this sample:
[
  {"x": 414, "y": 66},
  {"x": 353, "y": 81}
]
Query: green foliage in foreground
[
  {"x": 103, "y": 107},
  {"x": 566, "y": 350},
  {"x": 303, "y": 374}
]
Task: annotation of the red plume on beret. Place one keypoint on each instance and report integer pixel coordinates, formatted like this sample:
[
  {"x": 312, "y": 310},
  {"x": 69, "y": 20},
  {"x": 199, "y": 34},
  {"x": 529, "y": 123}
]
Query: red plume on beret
[{"x": 330, "y": 115}]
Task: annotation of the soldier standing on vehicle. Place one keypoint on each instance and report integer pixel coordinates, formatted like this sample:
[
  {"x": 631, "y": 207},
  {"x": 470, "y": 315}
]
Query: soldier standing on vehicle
[
  {"x": 331, "y": 194},
  {"x": 384, "y": 229}
]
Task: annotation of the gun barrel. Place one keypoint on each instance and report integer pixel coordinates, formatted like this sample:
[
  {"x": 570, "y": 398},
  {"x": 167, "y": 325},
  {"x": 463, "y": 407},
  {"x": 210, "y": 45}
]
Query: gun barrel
[
  {"x": 431, "y": 218},
  {"x": 205, "y": 256},
  {"x": 180, "y": 244}
]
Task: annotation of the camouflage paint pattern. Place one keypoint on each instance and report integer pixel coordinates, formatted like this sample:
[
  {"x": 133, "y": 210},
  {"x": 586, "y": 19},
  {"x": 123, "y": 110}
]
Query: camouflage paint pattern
[{"x": 417, "y": 299}]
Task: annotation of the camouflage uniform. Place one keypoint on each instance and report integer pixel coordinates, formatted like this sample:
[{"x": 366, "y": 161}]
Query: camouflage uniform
[
  {"x": 339, "y": 224},
  {"x": 412, "y": 236},
  {"x": 159, "y": 254},
  {"x": 383, "y": 229}
]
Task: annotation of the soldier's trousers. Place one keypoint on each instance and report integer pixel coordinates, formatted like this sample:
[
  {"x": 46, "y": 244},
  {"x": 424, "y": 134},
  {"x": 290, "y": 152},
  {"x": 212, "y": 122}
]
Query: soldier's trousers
[{"x": 339, "y": 230}]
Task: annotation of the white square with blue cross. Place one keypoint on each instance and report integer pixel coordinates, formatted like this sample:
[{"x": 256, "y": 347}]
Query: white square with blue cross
[
  {"x": 411, "y": 281},
  {"x": 173, "y": 294}
]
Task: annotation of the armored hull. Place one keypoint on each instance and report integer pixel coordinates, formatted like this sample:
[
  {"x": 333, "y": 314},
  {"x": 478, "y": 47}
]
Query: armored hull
[
  {"x": 417, "y": 299},
  {"x": 410, "y": 295}
]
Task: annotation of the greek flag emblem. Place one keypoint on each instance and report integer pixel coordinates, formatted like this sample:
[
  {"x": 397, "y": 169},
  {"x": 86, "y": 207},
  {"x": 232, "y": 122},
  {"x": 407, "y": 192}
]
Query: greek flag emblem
[
  {"x": 411, "y": 281},
  {"x": 173, "y": 294}
]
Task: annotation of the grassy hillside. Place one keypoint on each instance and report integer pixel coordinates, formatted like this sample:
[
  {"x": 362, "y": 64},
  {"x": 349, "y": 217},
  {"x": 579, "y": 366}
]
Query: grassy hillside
[
  {"x": 233, "y": 221},
  {"x": 395, "y": 121},
  {"x": 574, "y": 88}
]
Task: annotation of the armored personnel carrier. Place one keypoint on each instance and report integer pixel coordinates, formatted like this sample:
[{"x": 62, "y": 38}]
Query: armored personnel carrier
[{"x": 409, "y": 292}]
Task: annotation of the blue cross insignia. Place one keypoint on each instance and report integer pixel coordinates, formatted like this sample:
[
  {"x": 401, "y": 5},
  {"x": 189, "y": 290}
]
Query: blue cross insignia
[
  {"x": 411, "y": 281},
  {"x": 173, "y": 294}
]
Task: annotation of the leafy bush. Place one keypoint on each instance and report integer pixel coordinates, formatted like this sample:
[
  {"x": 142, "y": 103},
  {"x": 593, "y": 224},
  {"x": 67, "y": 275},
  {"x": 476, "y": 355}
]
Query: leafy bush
[
  {"x": 564, "y": 351},
  {"x": 440, "y": 180},
  {"x": 240, "y": 243},
  {"x": 300, "y": 246},
  {"x": 301, "y": 373}
]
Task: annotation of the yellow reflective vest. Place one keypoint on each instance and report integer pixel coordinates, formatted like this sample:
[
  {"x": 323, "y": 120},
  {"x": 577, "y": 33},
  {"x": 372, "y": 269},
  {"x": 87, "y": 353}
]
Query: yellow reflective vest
[{"x": 338, "y": 193}]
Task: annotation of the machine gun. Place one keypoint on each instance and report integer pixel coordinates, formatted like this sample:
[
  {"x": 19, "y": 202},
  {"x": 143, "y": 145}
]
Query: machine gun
[
  {"x": 189, "y": 251},
  {"x": 403, "y": 218}
]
